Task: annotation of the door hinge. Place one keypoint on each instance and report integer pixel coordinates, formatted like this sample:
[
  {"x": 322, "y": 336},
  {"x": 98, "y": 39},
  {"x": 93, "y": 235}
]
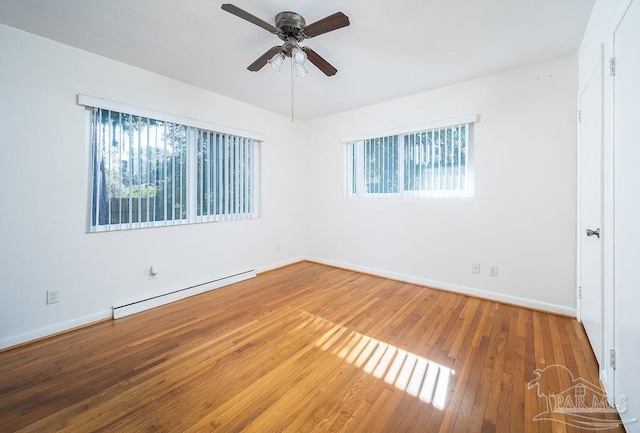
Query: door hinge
[
  {"x": 612, "y": 358},
  {"x": 579, "y": 116},
  {"x": 579, "y": 292},
  {"x": 612, "y": 66}
]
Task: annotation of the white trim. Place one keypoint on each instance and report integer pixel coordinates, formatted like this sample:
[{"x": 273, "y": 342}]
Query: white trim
[
  {"x": 527, "y": 303},
  {"x": 127, "y": 308},
  {"x": 429, "y": 193},
  {"x": 441, "y": 123},
  {"x": 578, "y": 204},
  {"x": 89, "y": 101},
  {"x": 620, "y": 13},
  {"x": 88, "y": 161},
  {"x": 514, "y": 300},
  {"x": 145, "y": 225},
  {"x": 608, "y": 216},
  {"x": 281, "y": 264},
  {"x": 608, "y": 388},
  {"x": 471, "y": 163},
  {"x": 53, "y": 329}
]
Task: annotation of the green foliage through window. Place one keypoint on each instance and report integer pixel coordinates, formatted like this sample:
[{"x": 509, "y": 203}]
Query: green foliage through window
[
  {"x": 142, "y": 175},
  {"x": 432, "y": 162}
]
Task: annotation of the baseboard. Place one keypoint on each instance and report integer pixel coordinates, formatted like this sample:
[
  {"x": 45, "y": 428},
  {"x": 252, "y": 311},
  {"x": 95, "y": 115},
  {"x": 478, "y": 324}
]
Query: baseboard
[
  {"x": 281, "y": 264},
  {"x": 48, "y": 331},
  {"x": 478, "y": 293},
  {"x": 136, "y": 306},
  {"x": 85, "y": 320}
]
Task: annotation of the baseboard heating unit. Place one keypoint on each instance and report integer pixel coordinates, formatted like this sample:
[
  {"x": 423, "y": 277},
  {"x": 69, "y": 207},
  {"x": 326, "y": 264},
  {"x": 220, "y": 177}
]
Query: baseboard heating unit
[{"x": 128, "y": 308}]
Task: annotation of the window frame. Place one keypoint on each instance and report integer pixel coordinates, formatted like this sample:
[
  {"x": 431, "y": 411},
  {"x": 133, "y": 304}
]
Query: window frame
[
  {"x": 357, "y": 191},
  {"x": 192, "y": 128}
]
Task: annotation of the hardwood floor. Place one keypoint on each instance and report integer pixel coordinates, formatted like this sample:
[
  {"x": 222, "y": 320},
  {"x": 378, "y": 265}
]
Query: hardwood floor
[{"x": 303, "y": 348}]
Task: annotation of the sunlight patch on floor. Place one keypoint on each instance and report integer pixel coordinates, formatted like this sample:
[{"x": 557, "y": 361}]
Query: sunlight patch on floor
[{"x": 411, "y": 373}]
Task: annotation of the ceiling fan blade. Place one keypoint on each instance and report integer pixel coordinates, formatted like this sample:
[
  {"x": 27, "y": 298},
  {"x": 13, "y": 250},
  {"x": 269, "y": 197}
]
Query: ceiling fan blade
[
  {"x": 320, "y": 63},
  {"x": 263, "y": 59},
  {"x": 327, "y": 24},
  {"x": 251, "y": 18}
]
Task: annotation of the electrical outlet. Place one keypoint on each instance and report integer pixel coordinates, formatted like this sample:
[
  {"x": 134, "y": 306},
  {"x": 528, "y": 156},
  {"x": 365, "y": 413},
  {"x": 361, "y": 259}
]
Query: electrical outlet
[
  {"x": 53, "y": 296},
  {"x": 277, "y": 248},
  {"x": 493, "y": 270},
  {"x": 475, "y": 268}
]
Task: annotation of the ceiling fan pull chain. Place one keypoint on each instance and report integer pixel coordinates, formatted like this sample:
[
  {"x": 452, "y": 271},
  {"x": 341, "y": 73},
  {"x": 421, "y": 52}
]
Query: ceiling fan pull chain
[{"x": 292, "y": 77}]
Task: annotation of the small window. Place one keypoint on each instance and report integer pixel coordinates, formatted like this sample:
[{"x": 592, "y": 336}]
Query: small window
[
  {"x": 148, "y": 173},
  {"x": 426, "y": 163}
]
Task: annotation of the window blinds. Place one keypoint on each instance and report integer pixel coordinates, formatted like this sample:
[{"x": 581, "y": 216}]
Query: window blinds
[
  {"x": 148, "y": 172},
  {"x": 428, "y": 162}
]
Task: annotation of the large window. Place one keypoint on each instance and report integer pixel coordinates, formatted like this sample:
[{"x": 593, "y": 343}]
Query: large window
[
  {"x": 428, "y": 162},
  {"x": 148, "y": 172}
]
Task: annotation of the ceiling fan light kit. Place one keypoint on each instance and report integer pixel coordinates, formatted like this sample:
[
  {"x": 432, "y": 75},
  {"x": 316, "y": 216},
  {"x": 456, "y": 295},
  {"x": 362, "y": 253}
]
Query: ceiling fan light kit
[
  {"x": 276, "y": 61},
  {"x": 292, "y": 29},
  {"x": 301, "y": 71},
  {"x": 298, "y": 56}
]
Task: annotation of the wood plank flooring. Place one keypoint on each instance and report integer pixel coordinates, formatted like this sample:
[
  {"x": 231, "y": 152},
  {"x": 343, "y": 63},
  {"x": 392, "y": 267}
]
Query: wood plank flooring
[{"x": 300, "y": 349}]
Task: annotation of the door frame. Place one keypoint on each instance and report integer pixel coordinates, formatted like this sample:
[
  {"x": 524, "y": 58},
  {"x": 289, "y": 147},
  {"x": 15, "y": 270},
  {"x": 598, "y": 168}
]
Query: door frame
[
  {"x": 608, "y": 373},
  {"x": 597, "y": 68},
  {"x": 608, "y": 377}
]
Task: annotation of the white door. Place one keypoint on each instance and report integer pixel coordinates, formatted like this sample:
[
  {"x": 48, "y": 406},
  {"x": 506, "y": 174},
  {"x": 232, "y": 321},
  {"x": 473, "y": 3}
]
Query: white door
[
  {"x": 627, "y": 212},
  {"x": 590, "y": 209}
]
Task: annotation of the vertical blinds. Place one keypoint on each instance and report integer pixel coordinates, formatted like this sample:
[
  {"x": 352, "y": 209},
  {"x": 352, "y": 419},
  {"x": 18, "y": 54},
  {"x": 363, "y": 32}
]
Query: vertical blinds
[
  {"x": 225, "y": 176},
  {"x": 423, "y": 163},
  {"x": 381, "y": 173},
  {"x": 436, "y": 160},
  {"x": 148, "y": 172}
]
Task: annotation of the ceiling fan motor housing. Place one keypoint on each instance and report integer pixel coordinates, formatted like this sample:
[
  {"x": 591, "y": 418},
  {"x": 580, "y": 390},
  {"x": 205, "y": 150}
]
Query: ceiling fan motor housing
[
  {"x": 291, "y": 25},
  {"x": 292, "y": 29}
]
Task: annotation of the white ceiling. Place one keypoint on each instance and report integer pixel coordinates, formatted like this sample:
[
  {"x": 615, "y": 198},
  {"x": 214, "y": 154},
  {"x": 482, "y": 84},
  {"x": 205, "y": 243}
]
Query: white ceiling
[{"x": 391, "y": 49}]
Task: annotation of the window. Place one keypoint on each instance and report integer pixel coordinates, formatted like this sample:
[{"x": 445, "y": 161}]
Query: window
[
  {"x": 148, "y": 172},
  {"x": 422, "y": 163}
]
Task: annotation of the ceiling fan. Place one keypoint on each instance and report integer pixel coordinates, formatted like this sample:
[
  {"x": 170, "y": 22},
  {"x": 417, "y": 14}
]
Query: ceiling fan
[{"x": 292, "y": 29}]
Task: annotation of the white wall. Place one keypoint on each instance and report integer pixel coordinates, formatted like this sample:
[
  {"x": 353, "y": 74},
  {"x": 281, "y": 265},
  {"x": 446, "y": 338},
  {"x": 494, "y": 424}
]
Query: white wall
[
  {"x": 522, "y": 217},
  {"x": 44, "y": 180}
]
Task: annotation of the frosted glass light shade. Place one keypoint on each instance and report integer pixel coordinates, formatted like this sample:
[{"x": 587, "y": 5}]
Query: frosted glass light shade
[
  {"x": 276, "y": 61},
  {"x": 300, "y": 70},
  {"x": 299, "y": 56}
]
